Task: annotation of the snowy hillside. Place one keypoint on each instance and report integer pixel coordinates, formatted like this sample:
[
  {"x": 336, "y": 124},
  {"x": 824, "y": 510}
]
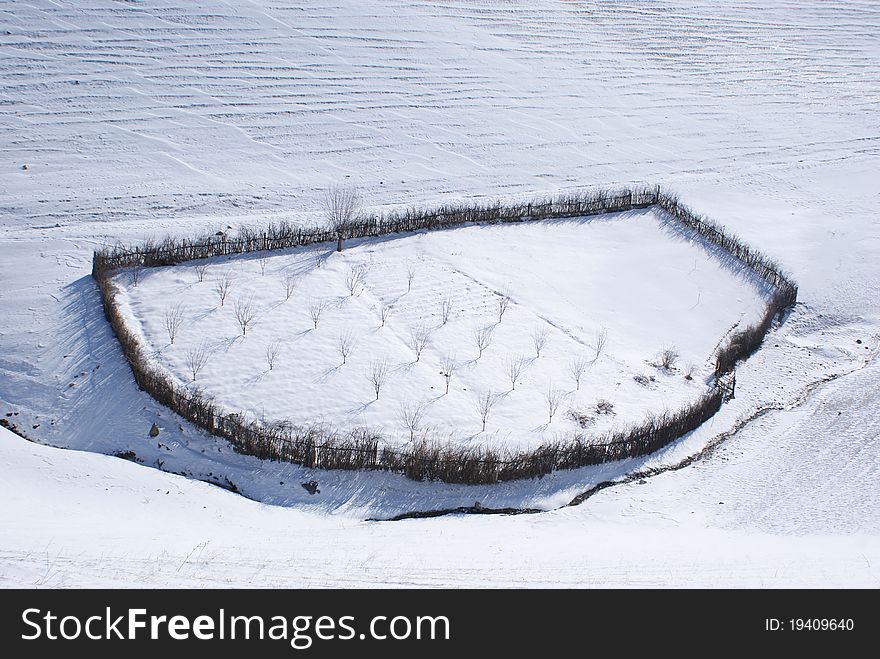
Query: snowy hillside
[{"x": 123, "y": 121}]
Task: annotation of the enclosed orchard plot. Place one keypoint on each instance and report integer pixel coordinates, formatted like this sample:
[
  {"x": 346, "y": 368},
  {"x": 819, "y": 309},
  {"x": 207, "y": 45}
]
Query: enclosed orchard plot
[{"x": 503, "y": 335}]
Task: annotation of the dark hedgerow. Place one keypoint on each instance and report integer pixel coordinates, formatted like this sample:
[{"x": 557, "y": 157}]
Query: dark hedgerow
[{"x": 318, "y": 446}]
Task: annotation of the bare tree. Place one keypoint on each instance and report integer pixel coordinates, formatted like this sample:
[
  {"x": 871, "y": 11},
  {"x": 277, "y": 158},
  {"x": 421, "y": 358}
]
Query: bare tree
[
  {"x": 482, "y": 338},
  {"x": 196, "y": 358},
  {"x": 245, "y": 312},
  {"x": 419, "y": 336},
  {"x": 554, "y": 398},
  {"x": 514, "y": 368},
  {"x": 137, "y": 271},
  {"x": 485, "y": 403},
  {"x": 342, "y": 204},
  {"x": 601, "y": 339},
  {"x": 577, "y": 367},
  {"x": 290, "y": 281},
  {"x": 354, "y": 279},
  {"x": 201, "y": 271},
  {"x": 384, "y": 312},
  {"x": 222, "y": 287},
  {"x": 345, "y": 345},
  {"x": 503, "y": 303},
  {"x": 445, "y": 309},
  {"x": 410, "y": 414},
  {"x": 272, "y": 351},
  {"x": 316, "y": 308},
  {"x": 447, "y": 369},
  {"x": 668, "y": 358},
  {"x": 263, "y": 261},
  {"x": 377, "y": 374},
  {"x": 410, "y": 276},
  {"x": 172, "y": 320},
  {"x": 539, "y": 339}
]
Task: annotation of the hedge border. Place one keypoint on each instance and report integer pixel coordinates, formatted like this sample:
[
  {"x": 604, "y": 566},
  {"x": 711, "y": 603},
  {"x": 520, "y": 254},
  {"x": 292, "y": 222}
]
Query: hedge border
[{"x": 316, "y": 446}]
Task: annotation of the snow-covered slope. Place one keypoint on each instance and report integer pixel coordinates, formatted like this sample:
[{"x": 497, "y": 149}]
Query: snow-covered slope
[{"x": 170, "y": 117}]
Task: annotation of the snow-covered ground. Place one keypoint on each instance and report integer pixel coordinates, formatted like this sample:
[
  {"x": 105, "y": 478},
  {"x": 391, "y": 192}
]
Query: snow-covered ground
[
  {"x": 571, "y": 312},
  {"x": 135, "y": 121}
]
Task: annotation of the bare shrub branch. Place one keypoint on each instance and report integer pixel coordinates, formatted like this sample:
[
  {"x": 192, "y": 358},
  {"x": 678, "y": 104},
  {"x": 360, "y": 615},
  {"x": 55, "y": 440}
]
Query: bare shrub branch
[
  {"x": 136, "y": 273},
  {"x": 485, "y": 402},
  {"x": 377, "y": 374},
  {"x": 345, "y": 345},
  {"x": 668, "y": 358},
  {"x": 410, "y": 276},
  {"x": 342, "y": 204},
  {"x": 447, "y": 369},
  {"x": 196, "y": 358},
  {"x": 172, "y": 320},
  {"x": 514, "y": 369},
  {"x": 222, "y": 287},
  {"x": 419, "y": 336},
  {"x": 245, "y": 312},
  {"x": 263, "y": 262},
  {"x": 272, "y": 351},
  {"x": 577, "y": 367},
  {"x": 410, "y": 415},
  {"x": 482, "y": 338},
  {"x": 539, "y": 339}
]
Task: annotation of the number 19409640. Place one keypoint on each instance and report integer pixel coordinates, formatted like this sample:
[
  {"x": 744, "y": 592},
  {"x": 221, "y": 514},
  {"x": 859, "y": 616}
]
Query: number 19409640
[{"x": 809, "y": 624}]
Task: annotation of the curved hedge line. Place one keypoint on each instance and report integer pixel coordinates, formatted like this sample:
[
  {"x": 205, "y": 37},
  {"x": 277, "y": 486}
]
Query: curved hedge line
[{"x": 317, "y": 446}]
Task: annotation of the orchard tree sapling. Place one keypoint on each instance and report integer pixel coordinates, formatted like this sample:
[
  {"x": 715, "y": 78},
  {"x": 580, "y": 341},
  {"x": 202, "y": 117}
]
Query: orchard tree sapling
[
  {"x": 201, "y": 271},
  {"x": 554, "y": 398},
  {"x": 384, "y": 312},
  {"x": 172, "y": 320},
  {"x": 245, "y": 312},
  {"x": 599, "y": 347},
  {"x": 290, "y": 281},
  {"x": 419, "y": 335},
  {"x": 577, "y": 367},
  {"x": 445, "y": 309},
  {"x": 485, "y": 402},
  {"x": 196, "y": 358},
  {"x": 410, "y": 414},
  {"x": 354, "y": 279},
  {"x": 503, "y": 303},
  {"x": 514, "y": 368},
  {"x": 316, "y": 308},
  {"x": 345, "y": 344},
  {"x": 539, "y": 339},
  {"x": 377, "y": 374},
  {"x": 447, "y": 369},
  {"x": 272, "y": 351},
  {"x": 222, "y": 287},
  {"x": 482, "y": 338}
]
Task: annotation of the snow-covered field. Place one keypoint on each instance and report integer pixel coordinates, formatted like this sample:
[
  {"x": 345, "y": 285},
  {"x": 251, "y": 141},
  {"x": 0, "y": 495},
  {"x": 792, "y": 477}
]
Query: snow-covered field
[
  {"x": 163, "y": 117},
  {"x": 523, "y": 319}
]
